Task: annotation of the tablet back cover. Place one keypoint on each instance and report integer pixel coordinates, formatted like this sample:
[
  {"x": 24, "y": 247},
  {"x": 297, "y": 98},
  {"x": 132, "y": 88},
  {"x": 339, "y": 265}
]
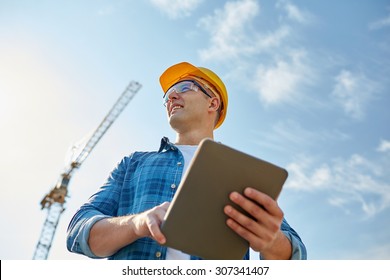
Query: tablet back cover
[{"x": 195, "y": 222}]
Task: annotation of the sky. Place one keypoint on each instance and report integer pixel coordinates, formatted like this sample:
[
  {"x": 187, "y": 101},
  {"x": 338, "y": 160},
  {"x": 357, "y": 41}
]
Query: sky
[{"x": 308, "y": 85}]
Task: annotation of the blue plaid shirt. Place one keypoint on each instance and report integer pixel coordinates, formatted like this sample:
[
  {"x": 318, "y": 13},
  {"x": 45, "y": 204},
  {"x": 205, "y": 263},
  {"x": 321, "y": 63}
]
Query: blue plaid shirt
[{"x": 140, "y": 182}]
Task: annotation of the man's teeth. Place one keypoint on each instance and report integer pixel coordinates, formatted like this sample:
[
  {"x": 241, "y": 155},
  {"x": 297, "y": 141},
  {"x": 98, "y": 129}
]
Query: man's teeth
[{"x": 177, "y": 107}]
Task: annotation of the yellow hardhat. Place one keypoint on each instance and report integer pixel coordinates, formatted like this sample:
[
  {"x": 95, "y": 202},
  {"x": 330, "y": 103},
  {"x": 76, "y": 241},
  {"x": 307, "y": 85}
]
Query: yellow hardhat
[{"x": 178, "y": 71}]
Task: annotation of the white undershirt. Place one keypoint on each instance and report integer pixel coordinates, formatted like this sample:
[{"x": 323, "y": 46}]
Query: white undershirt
[{"x": 188, "y": 153}]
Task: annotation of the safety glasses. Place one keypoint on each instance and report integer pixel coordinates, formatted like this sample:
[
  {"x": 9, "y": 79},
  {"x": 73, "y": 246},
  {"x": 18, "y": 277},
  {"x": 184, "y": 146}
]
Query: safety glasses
[{"x": 184, "y": 86}]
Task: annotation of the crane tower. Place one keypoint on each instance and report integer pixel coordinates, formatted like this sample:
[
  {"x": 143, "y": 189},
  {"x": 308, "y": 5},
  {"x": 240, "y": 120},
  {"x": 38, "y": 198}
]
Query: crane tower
[{"x": 54, "y": 201}]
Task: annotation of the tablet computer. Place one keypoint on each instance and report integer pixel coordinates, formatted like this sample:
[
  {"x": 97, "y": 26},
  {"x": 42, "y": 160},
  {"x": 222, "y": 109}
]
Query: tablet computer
[{"x": 195, "y": 222}]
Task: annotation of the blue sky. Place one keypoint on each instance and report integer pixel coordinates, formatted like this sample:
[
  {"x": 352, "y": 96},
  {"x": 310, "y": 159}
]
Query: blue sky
[{"x": 308, "y": 90}]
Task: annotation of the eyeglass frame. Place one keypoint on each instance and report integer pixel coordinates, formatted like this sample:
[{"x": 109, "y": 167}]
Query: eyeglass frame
[{"x": 192, "y": 81}]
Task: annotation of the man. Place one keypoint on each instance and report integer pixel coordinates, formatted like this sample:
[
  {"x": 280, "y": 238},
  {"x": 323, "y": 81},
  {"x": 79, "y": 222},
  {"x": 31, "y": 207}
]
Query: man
[{"x": 122, "y": 220}]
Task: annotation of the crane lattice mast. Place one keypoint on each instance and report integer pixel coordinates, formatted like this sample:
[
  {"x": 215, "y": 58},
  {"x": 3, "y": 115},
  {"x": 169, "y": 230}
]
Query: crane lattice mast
[{"x": 54, "y": 201}]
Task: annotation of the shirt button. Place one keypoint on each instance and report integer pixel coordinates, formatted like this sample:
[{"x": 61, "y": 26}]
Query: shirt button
[
  {"x": 173, "y": 186},
  {"x": 158, "y": 254},
  {"x": 179, "y": 163}
]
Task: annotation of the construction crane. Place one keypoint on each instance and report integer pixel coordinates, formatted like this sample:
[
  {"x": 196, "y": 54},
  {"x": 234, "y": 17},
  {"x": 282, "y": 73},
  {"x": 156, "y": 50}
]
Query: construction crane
[{"x": 54, "y": 201}]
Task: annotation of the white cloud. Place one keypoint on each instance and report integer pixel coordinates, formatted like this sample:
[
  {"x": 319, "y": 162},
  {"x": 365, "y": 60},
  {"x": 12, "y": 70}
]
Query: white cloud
[
  {"x": 356, "y": 180},
  {"x": 381, "y": 23},
  {"x": 281, "y": 82},
  {"x": 177, "y": 8},
  {"x": 272, "y": 39},
  {"x": 235, "y": 38},
  {"x": 232, "y": 36},
  {"x": 227, "y": 30},
  {"x": 384, "y": 146},
  {"x": 353, "y": 91},
  {"x": 293, "y": 12},
  {"x": 300, "y": 180}
]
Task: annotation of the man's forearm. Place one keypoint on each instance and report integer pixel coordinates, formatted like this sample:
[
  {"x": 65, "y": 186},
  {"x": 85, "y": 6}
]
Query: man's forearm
[{"x": 109, "y": 235}]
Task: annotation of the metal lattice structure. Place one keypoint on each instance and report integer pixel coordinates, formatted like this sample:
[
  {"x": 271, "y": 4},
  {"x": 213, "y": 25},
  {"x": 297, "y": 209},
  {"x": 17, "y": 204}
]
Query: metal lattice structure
[{"x": 54, "y": 201}]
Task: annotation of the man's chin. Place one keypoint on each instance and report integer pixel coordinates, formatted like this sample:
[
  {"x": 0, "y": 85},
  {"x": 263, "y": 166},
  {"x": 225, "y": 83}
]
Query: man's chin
[{"x": 176, "y": 122}]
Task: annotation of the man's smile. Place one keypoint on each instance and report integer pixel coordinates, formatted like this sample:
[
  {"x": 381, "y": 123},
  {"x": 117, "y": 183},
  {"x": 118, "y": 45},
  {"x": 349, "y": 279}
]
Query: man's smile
[{"x": 174, "y": 108}]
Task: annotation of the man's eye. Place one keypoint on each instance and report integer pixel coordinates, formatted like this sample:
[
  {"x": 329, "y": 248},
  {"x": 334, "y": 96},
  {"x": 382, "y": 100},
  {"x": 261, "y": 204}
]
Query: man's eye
[{"x": 185, "y": 88}]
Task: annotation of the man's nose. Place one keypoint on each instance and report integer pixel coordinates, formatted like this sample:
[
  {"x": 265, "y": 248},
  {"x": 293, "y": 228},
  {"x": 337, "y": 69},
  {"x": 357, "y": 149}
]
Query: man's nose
[{"x": 172, "y": 96}]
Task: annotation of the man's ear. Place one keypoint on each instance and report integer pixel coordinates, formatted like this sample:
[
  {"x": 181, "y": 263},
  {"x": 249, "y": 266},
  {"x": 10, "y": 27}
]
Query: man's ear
[{"x": 214, "y": 104}]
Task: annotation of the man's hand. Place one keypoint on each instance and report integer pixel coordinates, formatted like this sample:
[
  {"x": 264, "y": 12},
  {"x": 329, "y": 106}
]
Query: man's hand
[
  {"x": 148, "y": 223},
  {"x": 262, "y": 229}
]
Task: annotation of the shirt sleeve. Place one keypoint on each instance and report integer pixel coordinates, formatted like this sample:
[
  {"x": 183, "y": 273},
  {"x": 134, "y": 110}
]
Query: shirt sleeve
[
  {"x": 298, "y": 249},
  {"x": 103, "y": 204}
]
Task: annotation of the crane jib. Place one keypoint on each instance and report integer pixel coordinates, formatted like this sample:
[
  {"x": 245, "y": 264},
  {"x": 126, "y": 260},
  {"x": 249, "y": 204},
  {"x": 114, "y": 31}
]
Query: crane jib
[{"x": 54, "y": 201}]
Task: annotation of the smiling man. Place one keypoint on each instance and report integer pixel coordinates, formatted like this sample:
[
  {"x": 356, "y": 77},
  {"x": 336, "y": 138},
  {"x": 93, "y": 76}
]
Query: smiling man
[{"x": 122, "y": 219}]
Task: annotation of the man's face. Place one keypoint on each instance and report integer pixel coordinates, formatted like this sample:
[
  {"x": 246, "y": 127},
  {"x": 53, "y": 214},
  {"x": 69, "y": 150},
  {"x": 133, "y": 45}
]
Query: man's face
[{"x": 187, "y": 105}]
